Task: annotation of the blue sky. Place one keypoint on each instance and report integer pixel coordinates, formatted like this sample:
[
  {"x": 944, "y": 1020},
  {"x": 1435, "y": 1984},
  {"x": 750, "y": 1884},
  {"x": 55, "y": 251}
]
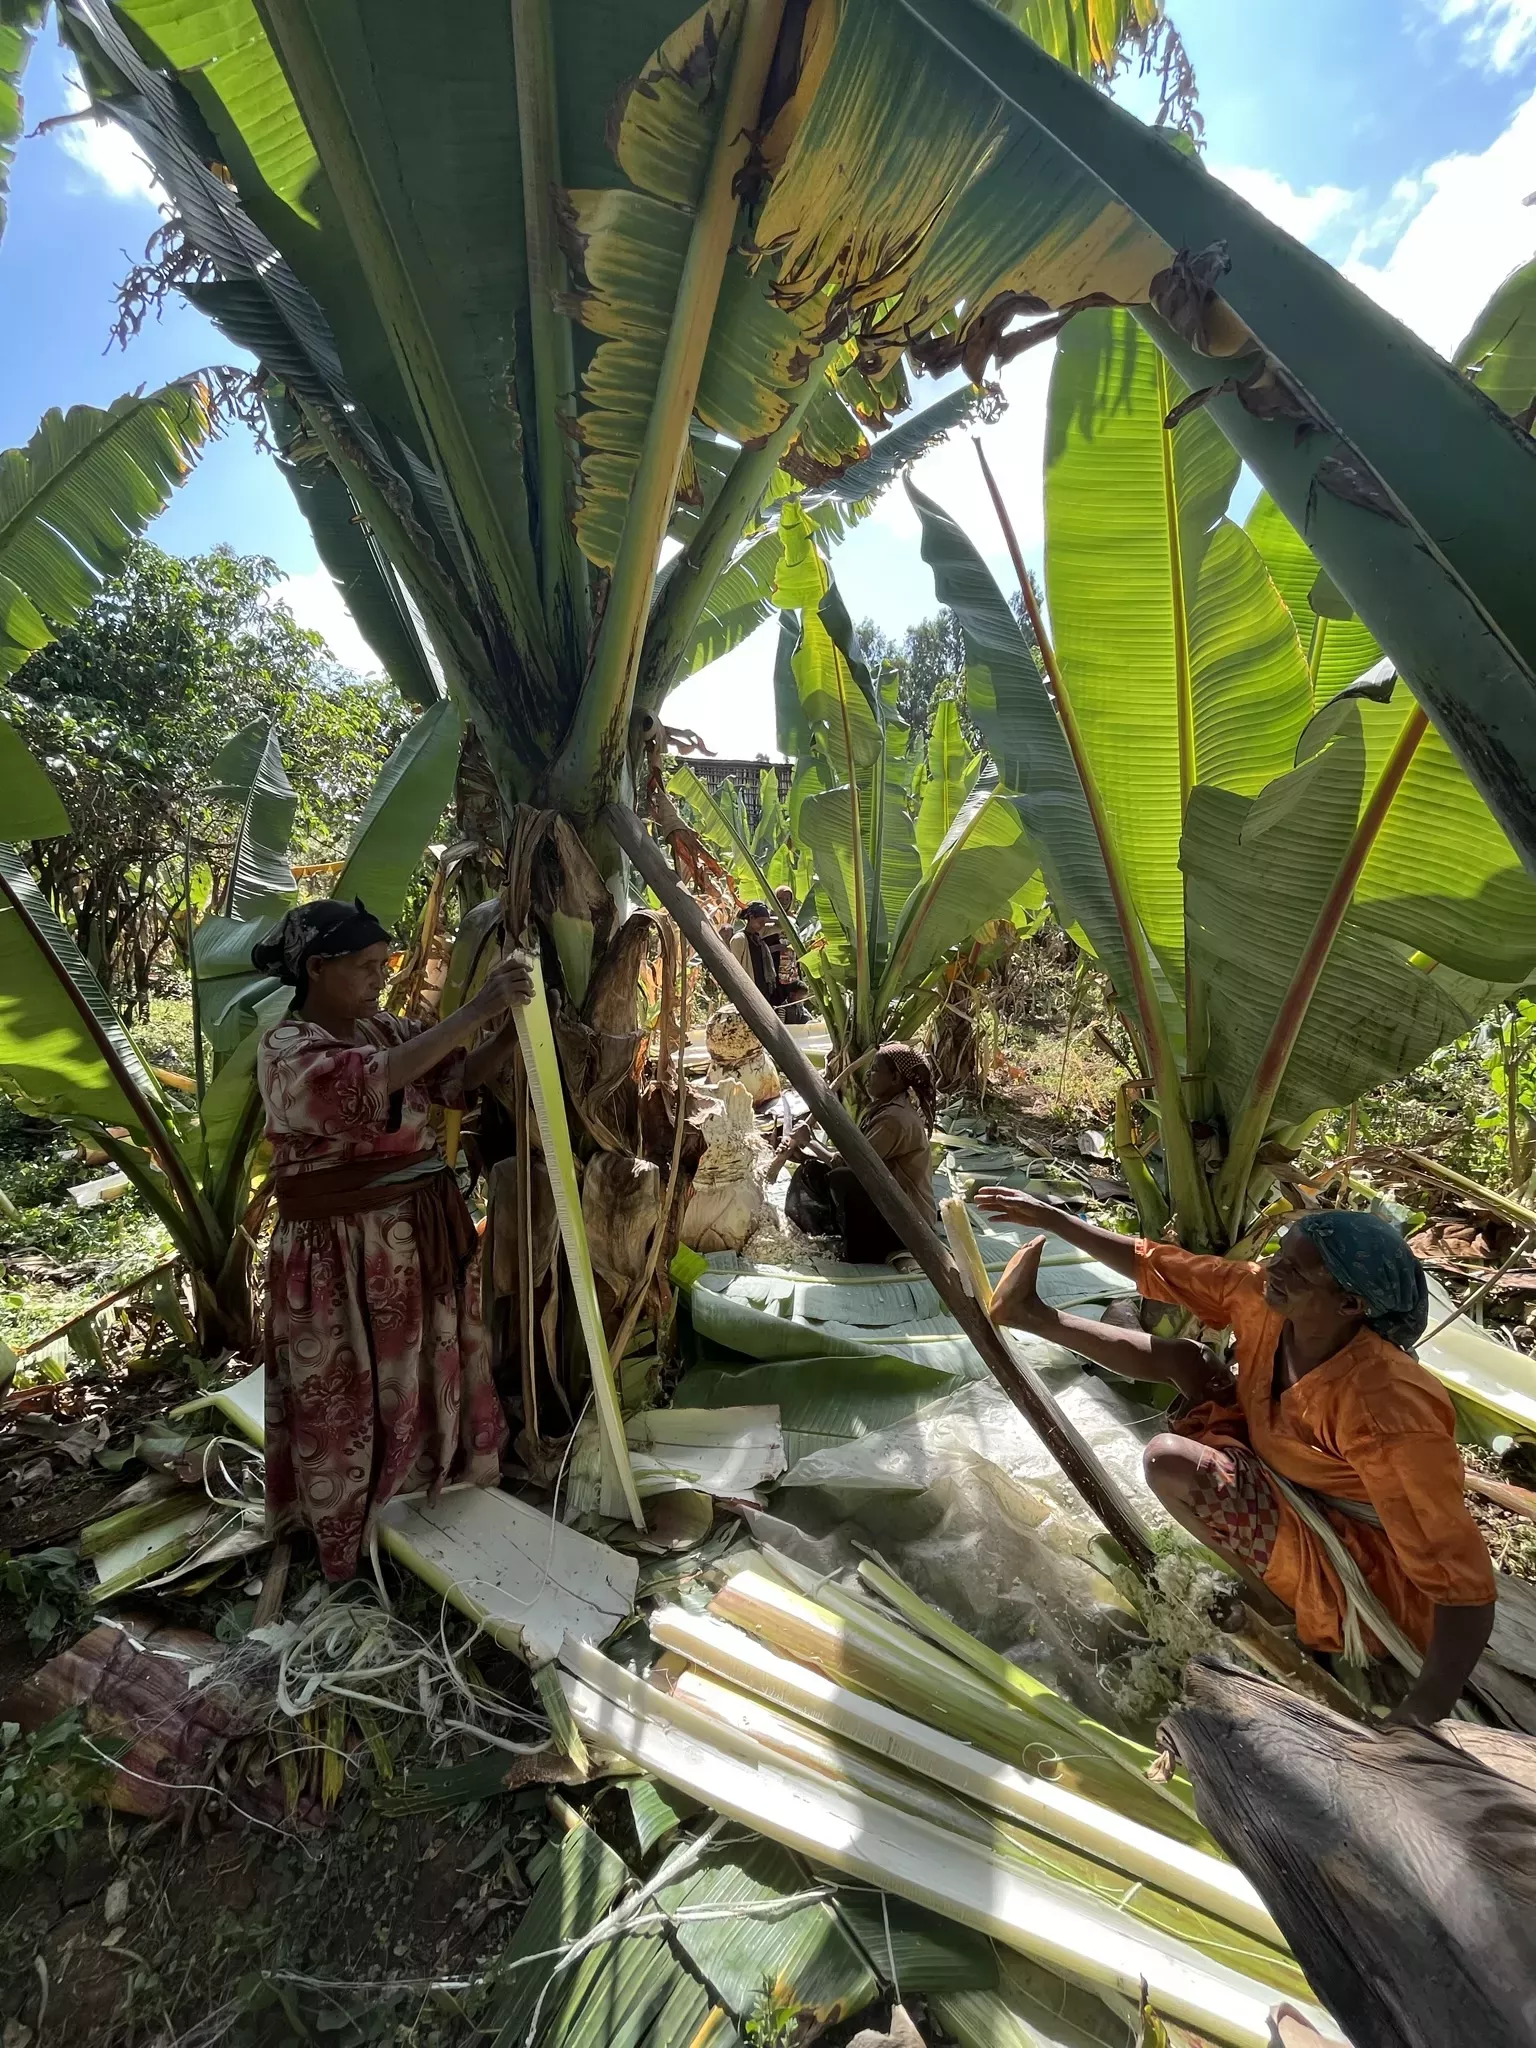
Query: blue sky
[{"x": 1398, "y": 137}]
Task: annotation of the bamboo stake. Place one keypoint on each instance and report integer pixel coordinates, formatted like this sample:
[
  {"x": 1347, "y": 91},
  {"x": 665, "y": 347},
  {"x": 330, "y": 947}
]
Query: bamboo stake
[{"x": 1018, "y": 1381}]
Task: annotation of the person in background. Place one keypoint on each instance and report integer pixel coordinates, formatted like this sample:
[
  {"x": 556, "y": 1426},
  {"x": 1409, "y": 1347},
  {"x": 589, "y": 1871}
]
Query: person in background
[
  {"x": 760, "y": 948},
  {"x": 378, "y": 1376},
  {"x": 1327, "y": 1393},
  {"x": 753, "y": 948},
  {"x": 825, "y": 1197},
  {"x": 792, "y": 991}
]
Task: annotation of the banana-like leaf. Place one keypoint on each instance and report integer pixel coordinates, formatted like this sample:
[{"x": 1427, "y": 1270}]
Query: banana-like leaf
[
  {"x": 573, "y": 1895},
  {"x": 248, "y": 770},
  {"x": 229, "y": 988},
  {"x": 950, "y": 772},
  {"x": 358, "y": 567},
  {"x": 74, "y": 500},
  {"x": 30, "y": 806},
  {"x": 983, "y": 863},
  {"x": 803, "y": 1952},
  {"x": 63, "y": 1049},
  {"x": 230, "y": 1116},
  {"x": 1338, "y": 651},
  {"x": 1181, "y": 662},
  {"x": 1500, "y": 352},
  {"x": 20, "y": 21},
  {"x": 1006, "y": 695},
  {"x": 1088, "y": 36},
  {"x": 1030, "y": 181},
  {"x": 894, "y": 453},
  {"x": 1440, "y": 876},
  {"x": 1376, "y": 1012},
  {"x": 403, "y": 809}
]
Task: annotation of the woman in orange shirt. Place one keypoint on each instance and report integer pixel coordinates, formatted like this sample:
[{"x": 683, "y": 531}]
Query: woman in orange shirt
[{"x": 1327, "y": 1393}]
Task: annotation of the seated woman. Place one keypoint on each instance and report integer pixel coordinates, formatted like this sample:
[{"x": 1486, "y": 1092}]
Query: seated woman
[
  {"x": 826, "y": 1198},
  {"x": 1327, "y": 1393},
  {"x": 378, "y": 1372}
]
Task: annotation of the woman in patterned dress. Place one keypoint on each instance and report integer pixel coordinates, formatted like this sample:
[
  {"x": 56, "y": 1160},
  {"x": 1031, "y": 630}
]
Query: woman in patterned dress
[{"x": 378, "y": 1378}]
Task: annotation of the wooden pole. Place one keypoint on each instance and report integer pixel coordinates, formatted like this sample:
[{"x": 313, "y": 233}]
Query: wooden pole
[{"x": 1017, "y": 1380}]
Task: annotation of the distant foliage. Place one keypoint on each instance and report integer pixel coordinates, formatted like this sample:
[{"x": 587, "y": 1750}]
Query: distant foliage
[
  {"x": 929, "y": 659},
  {"x": 127, "y": 709}
]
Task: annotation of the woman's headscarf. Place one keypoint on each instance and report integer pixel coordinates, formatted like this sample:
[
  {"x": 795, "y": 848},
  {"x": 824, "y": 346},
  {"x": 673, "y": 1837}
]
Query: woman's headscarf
[
  {"x": 914, "y": 1072},
  {"x": 1369, "y": 1258},
  {"x": 316, "y": 931}
]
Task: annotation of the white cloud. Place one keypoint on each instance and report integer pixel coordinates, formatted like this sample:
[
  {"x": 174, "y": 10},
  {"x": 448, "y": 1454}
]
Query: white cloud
[
  {"x": 106, "y": 152},
  {"x": 1470, "y": 229},
  {"x": 1497, "y": 34},
  {"x": 315, "y": 602},
  {"x": 1307, "y": 214}
]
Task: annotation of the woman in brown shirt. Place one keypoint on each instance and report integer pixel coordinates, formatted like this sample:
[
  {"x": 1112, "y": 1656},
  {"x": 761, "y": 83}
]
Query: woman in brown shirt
[{"x": 826, "y": 1195}]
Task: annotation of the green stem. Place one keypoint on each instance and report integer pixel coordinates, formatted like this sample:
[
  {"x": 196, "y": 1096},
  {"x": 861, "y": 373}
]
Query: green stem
[
  {"x": 562, "y": 566},
  {"x": 1253, "y": 1120},
  {"x": 1186, "y": 1183},
  {"x": 590, "y": 760},
  {"x": 693, "y": 576}
]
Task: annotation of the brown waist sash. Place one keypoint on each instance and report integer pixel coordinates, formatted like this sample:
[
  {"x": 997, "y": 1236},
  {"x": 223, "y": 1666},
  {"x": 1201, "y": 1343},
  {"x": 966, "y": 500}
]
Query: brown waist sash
[{"x": 445, "y": 1230}]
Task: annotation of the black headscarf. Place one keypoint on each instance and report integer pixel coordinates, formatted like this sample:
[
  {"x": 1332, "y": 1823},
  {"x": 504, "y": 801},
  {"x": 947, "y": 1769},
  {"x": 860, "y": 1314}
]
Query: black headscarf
[{"x": 316, "y": 931}]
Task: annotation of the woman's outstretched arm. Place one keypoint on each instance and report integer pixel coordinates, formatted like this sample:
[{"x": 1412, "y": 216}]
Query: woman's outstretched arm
[
  {"x": 1179, "y": 1361},
  {"x": 1109, "y": 1246},
  {"x": 505, "y": 985}
]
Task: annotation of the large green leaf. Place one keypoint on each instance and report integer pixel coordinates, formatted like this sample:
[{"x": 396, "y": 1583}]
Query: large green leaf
[
  {"x": 1006, "y": 695},
  {"x": 19, "y": 23},
  {"x": 403, "y": 809},
  {"x": 1257, "y": 872},
  {"x": 361, "y": 572},
  {"x": 1441, "y": 876},
  {"x": 985, "y": 860},
  {"x": 985, "y": 168},
  {"x": 949, "y": 775},
  {"x": 248, "y": 770},
  {"x": 445, "y": 272},
  {"x": 1500, "y": 351},
  {"x": 230, "y": 70},
  {"x": 30, "y": 806},
  {"x": 63, "y": 1049},
  {"x": 74, "y": 500},
  {"x": 1180, "y": 660},
  {"x": 1338, "y": 650},
  {"x": 804, "y": 1952}
]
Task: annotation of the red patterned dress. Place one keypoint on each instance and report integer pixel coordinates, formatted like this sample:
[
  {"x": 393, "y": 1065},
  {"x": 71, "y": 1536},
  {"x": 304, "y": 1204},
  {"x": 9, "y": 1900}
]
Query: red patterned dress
[{"x": 378, "y": 1376}]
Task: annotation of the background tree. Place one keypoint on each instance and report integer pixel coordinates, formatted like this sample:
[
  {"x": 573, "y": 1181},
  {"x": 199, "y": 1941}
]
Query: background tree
[
  {"x": 929, "y": 660},
  {"x": 127, "y": 709}
]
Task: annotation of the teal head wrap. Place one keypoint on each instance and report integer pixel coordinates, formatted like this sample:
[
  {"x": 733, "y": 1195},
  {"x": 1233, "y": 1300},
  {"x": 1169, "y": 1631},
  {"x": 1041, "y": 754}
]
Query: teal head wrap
[{"x": 1369, "y": 1258}]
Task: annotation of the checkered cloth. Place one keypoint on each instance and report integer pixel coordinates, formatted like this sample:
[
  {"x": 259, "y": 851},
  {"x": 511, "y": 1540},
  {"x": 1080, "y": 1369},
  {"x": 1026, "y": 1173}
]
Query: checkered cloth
[{"x": 1233, "y": 1497}]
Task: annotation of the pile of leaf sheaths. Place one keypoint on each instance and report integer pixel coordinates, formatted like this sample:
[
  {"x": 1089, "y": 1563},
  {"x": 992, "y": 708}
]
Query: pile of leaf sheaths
[{"x": 866, "y": 1711}]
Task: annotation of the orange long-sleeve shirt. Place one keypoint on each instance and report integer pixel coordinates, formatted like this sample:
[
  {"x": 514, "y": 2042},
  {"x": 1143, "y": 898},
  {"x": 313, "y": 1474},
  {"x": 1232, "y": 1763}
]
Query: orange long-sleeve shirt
[{"x": 1370, "y": 1424}]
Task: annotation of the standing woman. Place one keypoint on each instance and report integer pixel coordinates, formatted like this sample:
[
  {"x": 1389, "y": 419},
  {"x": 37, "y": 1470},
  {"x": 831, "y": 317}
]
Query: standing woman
[{"x": 378, "y": 1371}]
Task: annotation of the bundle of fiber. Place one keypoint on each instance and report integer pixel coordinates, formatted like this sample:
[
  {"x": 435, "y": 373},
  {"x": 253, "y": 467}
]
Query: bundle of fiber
[{"x": 1401, "y": 1871}]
